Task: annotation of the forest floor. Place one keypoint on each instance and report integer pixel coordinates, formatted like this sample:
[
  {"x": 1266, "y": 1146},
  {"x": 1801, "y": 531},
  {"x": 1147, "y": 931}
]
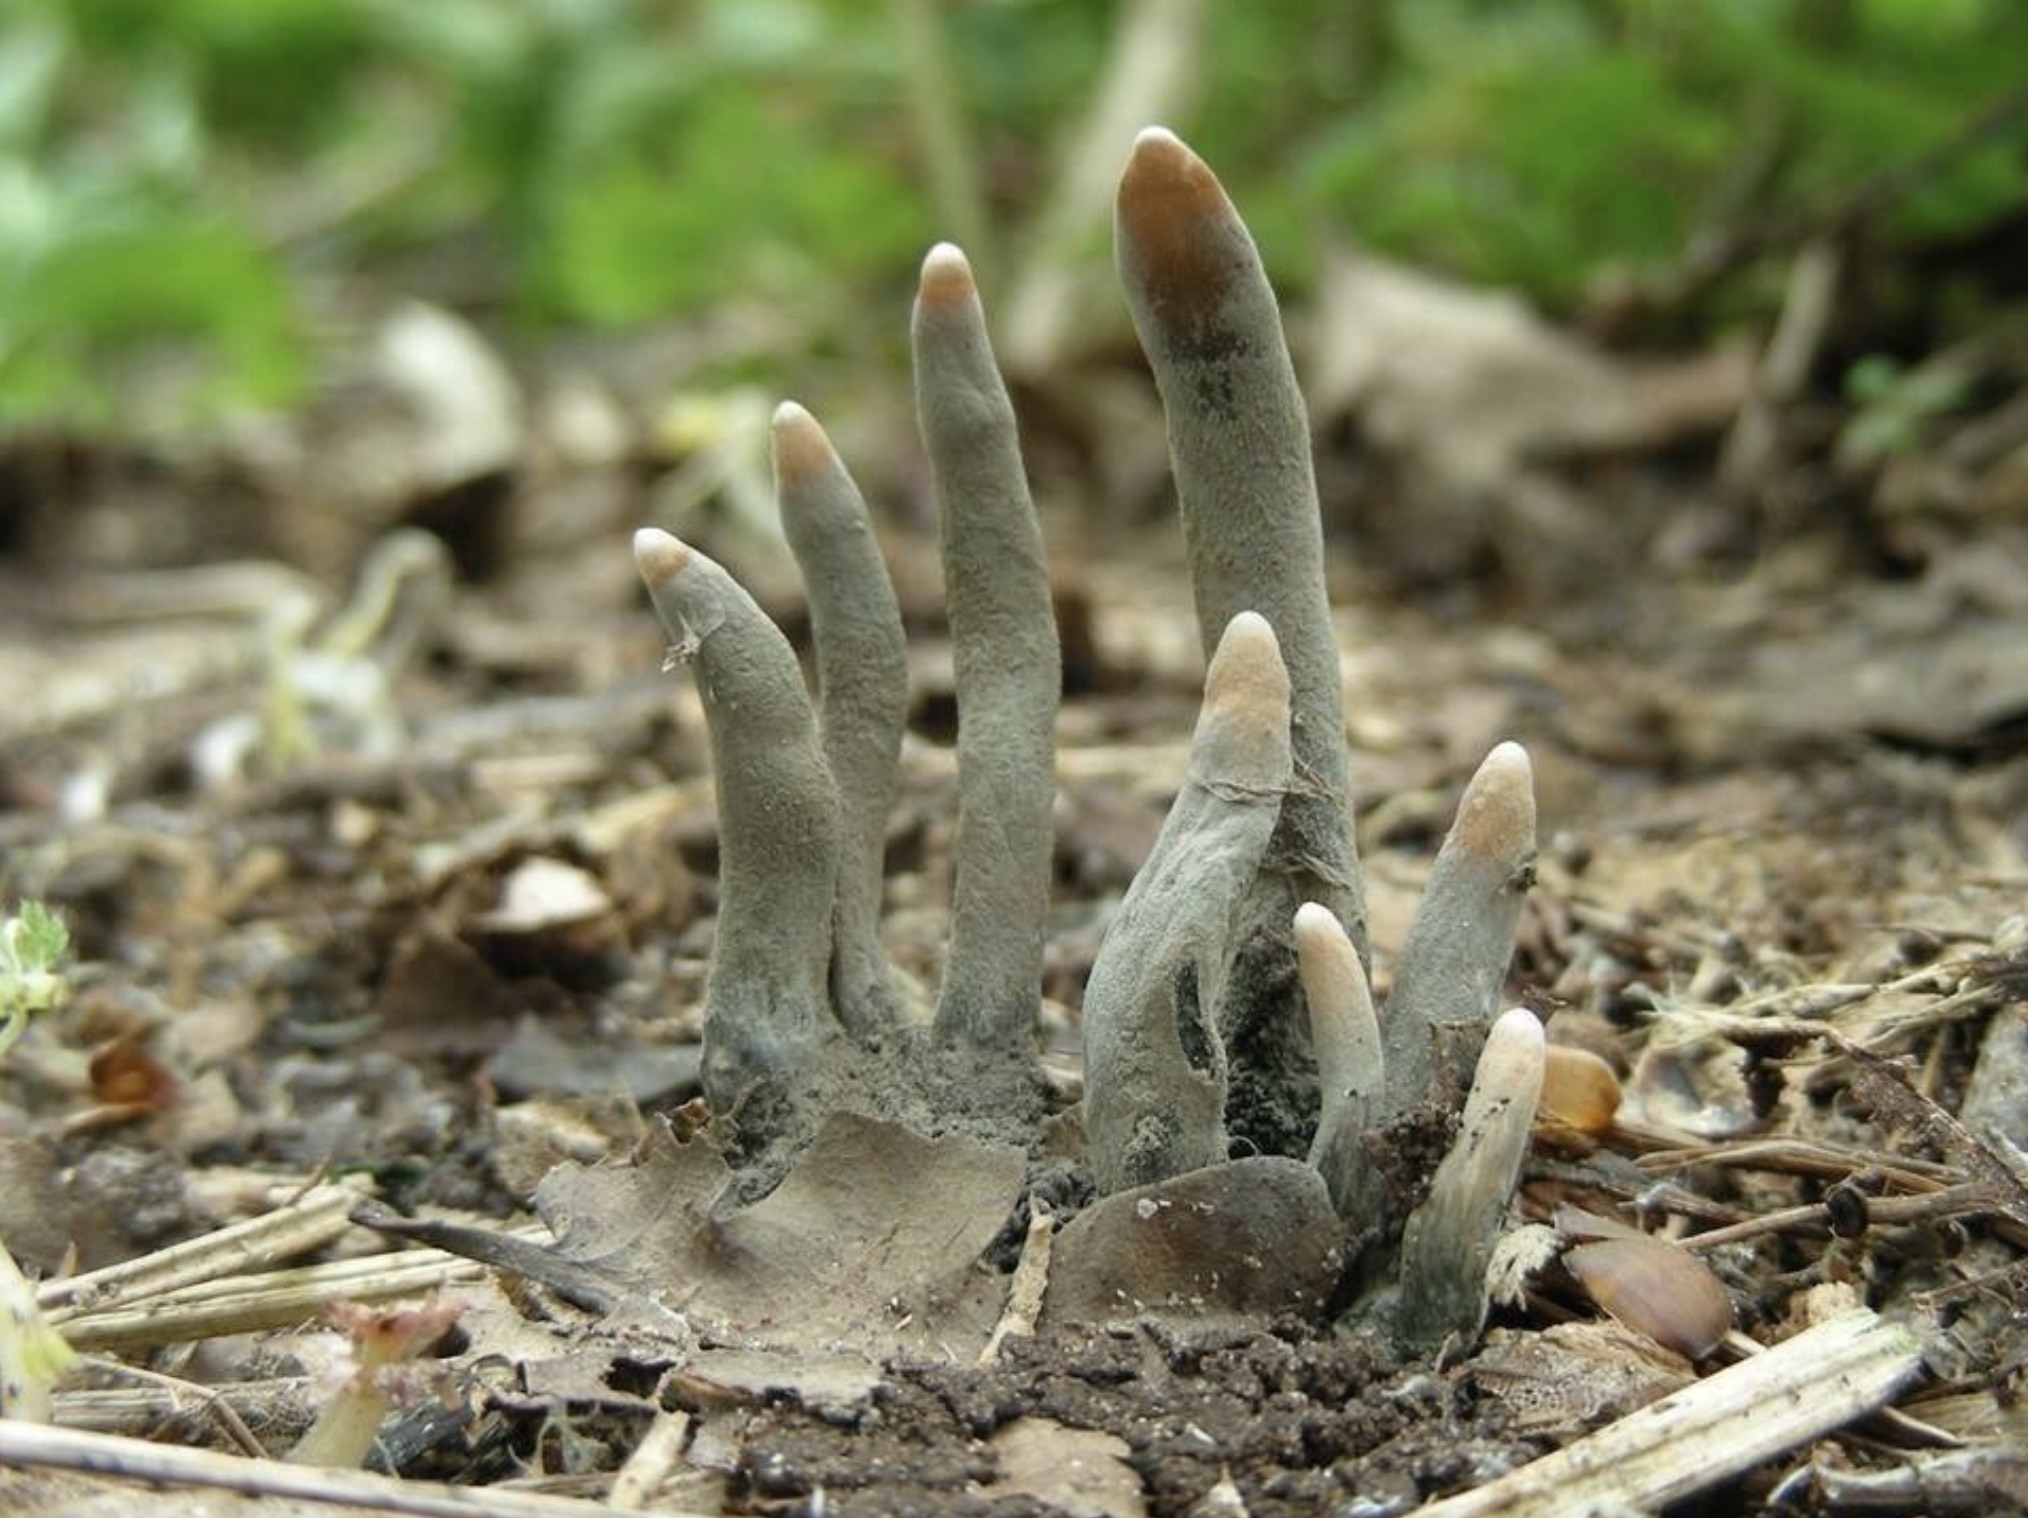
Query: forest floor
[{"x": 444, "y": 924}]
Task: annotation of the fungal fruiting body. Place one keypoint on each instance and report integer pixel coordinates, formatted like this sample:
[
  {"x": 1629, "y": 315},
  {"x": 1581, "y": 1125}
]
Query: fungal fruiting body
[{"x": 1229, "y": 1009}]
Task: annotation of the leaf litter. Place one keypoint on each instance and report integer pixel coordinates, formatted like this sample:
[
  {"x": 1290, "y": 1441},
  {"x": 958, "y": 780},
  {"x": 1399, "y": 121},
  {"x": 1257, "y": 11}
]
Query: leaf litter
[{"x": 1780, "y": 896}]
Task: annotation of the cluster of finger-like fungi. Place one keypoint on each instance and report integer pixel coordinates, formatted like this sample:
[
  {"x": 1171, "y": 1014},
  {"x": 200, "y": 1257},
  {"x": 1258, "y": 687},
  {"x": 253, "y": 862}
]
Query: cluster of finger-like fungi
[{"x": 1229, "y": 1007}]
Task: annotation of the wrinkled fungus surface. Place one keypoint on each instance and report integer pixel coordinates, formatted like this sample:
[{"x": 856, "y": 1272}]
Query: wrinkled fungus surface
[{"x": 1259, "y": 1137}]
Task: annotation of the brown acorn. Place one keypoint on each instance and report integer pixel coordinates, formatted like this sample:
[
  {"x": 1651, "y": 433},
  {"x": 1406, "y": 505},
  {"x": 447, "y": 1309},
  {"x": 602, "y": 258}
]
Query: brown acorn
[{"x": 1655, "y": 1288}]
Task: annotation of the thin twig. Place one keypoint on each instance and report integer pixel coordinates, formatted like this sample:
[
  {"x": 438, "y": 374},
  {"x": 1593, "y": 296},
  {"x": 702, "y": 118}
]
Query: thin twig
[
  {"x": 309, "y": 1222},
  {"x": 273, "y": 1299},
  {"x": 652, "y": 1460},
  {"x": 1802, "y": 1389},
  {"x": 113, "y": 1457}
]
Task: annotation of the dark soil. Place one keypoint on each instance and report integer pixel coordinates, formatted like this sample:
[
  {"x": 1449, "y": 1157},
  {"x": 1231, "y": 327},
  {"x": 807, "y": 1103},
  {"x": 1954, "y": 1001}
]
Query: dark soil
[{"x": 1762, "y": 775}]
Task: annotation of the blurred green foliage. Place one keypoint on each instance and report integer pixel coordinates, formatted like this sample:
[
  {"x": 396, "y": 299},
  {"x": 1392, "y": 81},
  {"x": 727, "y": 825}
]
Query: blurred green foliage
[
  {"x": 1527, "y": 144},
  {"x": 189, "y": 187}
]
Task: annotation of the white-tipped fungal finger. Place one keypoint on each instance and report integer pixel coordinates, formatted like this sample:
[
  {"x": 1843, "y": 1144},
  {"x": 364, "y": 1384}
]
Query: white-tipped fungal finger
[
  {"x": 1450, "y": 1237},
  {"x": 862, "y": 683},
  {"x": 1242, "y": 734},
  {"x": 768, "y": 1004},
  {"x": 1246, "y": 490},
  {"x": 1343, "y": 1026},
  {"x": 1454, "y": 961},
  {"x": 659, "y": 555},
  {"x": 1155, "y": 1068},
  {"x": 1007, "y": 665},
  {"x": 1238, "y": 434},
  {"x": 1346, "y": 1035}
]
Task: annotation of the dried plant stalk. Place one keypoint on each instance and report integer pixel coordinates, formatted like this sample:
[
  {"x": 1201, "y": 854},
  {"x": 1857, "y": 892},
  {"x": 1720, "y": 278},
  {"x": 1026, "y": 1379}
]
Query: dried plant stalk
[
  {"x": 112, "y": 1458},
  {"x": 1009, "y": 672},
  {"x": 1709, "y": 1433},
  {"x": 305, "y": 1223}
]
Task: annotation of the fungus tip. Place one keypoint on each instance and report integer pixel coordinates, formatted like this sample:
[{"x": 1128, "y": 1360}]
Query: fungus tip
[
  {"x": 1342, "y": 1024},
  {"x": 946, "y": 277},
  {"x": 659, "y": 555},
  {"x": 1248, "y": 658},
  {"x": 1178, "y": 231},
  {"x": 1159, "y": 151},
  {"x": 1317, "y": 929},
  {"x": 1247, "y": 678},
  {"x": 800, "y": 445},
  {"x": 1496, "y": 815},
  {"x": 1243, "y": 727},
  {"x": 1516, "y": 1041}
]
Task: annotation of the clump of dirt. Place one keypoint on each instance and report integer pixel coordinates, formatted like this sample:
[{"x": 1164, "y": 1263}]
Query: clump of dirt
[{"x": 1297, "y": 1422}]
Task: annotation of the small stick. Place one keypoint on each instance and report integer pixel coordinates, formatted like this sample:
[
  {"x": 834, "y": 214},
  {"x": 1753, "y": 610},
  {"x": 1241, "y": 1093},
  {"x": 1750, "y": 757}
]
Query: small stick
[
  {"x": 274, "y": 1299},
  {"x": 577, "y": 1284},
  {"x": 1030, "y": 1284},
  {"x": 114, "y": 1457},
  {"x": 309, "y": 1222},
  {"x": 1707, "y": 1433},
  {"x": 175, "y": 1392},
  {"x": 652, "y": 1460}
]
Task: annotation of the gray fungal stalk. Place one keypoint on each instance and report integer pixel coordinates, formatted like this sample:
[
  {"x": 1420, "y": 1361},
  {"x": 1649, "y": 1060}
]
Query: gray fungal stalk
[
  {"x": 1449, "y": 1239},
  {"x": 1009, "y": 672},
  {"x": 862, "y": 680},
  {"x": 767, "y": 1010},
  {"x": 1155, "y": 1066},
  {"x": 1239, "y": 1083},
  {"x": 1239, "y": 439}
]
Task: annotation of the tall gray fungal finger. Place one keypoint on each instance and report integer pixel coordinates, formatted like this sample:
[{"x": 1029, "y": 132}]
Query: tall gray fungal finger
[
  {"x": 1450, "y": 1237},
  {"x": 1346, "y": 1036},
  {"x": 767, "y": 1007},
  {"x": 862, "y": 684},
  {"x": 1454, "y": 962},
  {"x": 1155, "y": 1068},
  {"x": 1008, "y": 670},
  {"x": 1239, "y": 439}
]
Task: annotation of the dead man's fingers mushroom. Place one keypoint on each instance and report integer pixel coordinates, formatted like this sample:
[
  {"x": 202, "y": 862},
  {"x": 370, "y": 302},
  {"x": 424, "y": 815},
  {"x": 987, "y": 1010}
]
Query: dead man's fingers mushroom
[
  {"x": 1346, "y": 1035},
  {"x": 1155, "y": 1066},
  {"x": 767, "y": 1007},
  {"x": 1246, "y": 488},
  {"x": 1454, "y": 961},
  {"x": 1449, "y": 1239},
  {"x": 862, "y": 687},
  {"x": 1008, "y": 669}
]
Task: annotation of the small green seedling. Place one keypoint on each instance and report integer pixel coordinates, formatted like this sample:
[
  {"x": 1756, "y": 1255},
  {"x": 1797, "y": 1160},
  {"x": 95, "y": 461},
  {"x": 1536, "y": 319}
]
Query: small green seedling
[
  {"x": 381, "y": 1369},
  {"x": 33, "y": 944},
  {"x": 33, "y": 1356}
]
